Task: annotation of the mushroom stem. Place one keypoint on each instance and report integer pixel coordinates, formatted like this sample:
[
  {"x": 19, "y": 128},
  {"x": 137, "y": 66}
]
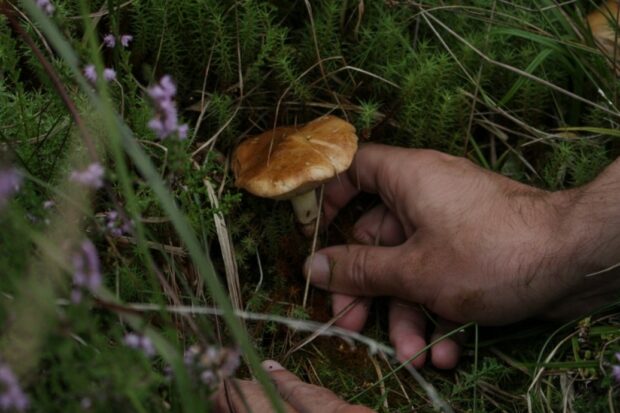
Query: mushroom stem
[{"x": 306, "y": 207}]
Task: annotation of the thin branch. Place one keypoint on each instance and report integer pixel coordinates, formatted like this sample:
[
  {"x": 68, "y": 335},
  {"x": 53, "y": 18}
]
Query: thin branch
[{"x": 56, "y": 82}]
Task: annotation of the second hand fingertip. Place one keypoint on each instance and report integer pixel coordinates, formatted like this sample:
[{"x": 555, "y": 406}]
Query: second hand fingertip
[{"x": 271, "y": 365}]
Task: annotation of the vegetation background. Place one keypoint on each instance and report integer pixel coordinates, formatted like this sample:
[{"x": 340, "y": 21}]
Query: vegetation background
[{"x": 499, "y": 82}]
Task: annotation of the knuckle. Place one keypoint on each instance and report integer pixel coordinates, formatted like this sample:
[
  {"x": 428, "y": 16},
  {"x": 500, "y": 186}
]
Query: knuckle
[
  {"x": 294, "y": 391},
  {"x": 418, "y": 272},
  {"x": 359, "y": 268},
  {"x": 428, "y": 155}
]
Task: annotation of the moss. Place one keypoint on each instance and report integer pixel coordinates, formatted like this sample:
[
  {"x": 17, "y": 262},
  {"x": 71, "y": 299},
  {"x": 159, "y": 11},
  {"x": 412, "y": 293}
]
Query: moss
[{"x": 434, "y": 74}]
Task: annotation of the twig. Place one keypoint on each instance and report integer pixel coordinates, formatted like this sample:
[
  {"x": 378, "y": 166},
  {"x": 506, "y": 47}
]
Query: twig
[
  {"x": 314, "y": 244},
  {"x": 56, "y": 82},
  {"x": 260, "y": 272},
  {"x": 170, "y": 249},
  {"x": 299, "y": 325}
]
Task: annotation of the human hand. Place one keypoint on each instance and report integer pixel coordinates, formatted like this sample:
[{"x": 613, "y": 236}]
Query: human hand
[
  {"x": 297, "y": 395},
  {"x": 466, "y": 243}
]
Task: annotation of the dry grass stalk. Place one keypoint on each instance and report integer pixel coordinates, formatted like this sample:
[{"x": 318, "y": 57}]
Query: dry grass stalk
[
  {"x": 169, "y": 249},
  {"x": 228, "y": 249},
  {"x": 381, "y": 381}
]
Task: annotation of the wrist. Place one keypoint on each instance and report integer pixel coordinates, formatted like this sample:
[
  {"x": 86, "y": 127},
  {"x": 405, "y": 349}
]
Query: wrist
[{"x": 590, "y": 224}]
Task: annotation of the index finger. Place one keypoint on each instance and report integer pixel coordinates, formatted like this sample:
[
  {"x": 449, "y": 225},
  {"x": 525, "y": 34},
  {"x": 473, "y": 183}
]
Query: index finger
[{"x": 376, "y": 169}]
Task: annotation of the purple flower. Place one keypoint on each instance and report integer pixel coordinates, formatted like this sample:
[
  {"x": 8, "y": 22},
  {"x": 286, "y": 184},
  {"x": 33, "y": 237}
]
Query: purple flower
[
  {"x": 86, "y": 271},
  {"x": 615, "y": 369},
  {"x": 208, "y": 377},
  {"x": 12, "y": 397},
  {"x": 125, "y": 39},
  {"x": 138, "y": 342},
  {"x": 165, "y": 122},
  {"x": 190, "y": 355},
  {"x": 231, "y": 363},
  {"x": 182, "y": 131},
  {"x": 109, "y": 40},
  {"x": 109, "y": 74},
  {"x": 117, "y": 225},
  {"x": 211, "y": 364},
  {"x": 132, "y": 340},
  {"x": 148, "y": 347},
  {"x": 10, "y": 181},
  {"x": 46, "y": 6},
  {"x": 91, "y": 177},
  {"x": 90, "y": 73}
]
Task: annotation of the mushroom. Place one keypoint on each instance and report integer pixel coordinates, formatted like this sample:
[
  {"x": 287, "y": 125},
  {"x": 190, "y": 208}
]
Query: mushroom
[
  {"x": 603, "y": 23},
  {"x": 290, "y": 162}
]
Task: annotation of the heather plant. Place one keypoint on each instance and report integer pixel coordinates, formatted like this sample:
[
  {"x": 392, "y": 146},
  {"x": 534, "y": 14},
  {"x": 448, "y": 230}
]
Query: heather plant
[{"x": 125, "y": 248}]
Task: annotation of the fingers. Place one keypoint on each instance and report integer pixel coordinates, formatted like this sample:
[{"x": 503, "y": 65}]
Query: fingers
[
  {"x": 375, "y": 169},
  {"x": 357, "y": 270},
  {"x": 305, "y": 397},
  {"x": 407, "y": 331},
  {"x": 242, "y": 396},
  {"x": 336, "y": 195},
  {"x": 446, "y": 353},
  {"x": 352, "y": 311},
  {"x": 379, "y": 226}
]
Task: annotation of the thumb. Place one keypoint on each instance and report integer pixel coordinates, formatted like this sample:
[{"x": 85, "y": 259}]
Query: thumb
[{"x": 358, "y": 270}]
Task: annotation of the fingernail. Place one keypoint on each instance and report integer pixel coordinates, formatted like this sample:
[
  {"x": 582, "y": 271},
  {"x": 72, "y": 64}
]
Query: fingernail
[
  {"x": 271, "y": 365},
  {"x": 317, "y": 267}
]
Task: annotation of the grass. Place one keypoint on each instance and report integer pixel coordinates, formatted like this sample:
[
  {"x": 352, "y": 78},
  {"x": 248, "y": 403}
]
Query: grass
[{"x": 517, "y": 87}]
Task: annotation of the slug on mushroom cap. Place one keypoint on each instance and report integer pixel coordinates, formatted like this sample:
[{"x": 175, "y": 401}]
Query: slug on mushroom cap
[{"x": 290, "y": 162}]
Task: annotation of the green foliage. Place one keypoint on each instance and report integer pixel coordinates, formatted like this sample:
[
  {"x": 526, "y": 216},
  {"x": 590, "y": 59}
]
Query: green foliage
[
  {"x": 574, "y": 162},
  {"x": 486, "y": 80},
  {"x": 367, "y": 118}
]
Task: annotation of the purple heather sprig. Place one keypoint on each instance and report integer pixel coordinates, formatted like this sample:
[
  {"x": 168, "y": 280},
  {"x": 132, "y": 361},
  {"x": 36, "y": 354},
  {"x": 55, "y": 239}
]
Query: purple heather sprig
[
  {"x": 91, "y": 177},
  {"x": 90, "y": 73},
  {"x": 117, "y": 225},
  {"x": 125, "y": 39},
  {"x": 10, "y": 182},
  {"x": 86, "y": 270},
  {"x": 138, "y": 342},
  {"x": 165, "y": 122},
  {"x": 109, "y": 40},
  {"x": 212, "y": 364},
  {"x": 109, "y": 74},
  {"x": 615, "y": 369},
  {"x": 47, "y": 6},
  {"x": 12, "y": 397}
]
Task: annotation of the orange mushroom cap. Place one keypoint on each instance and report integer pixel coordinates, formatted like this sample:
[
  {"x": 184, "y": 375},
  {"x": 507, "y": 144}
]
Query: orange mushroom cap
[
  {"x": 288, "y": 161},
  {"x": 603, "y": 23}
]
